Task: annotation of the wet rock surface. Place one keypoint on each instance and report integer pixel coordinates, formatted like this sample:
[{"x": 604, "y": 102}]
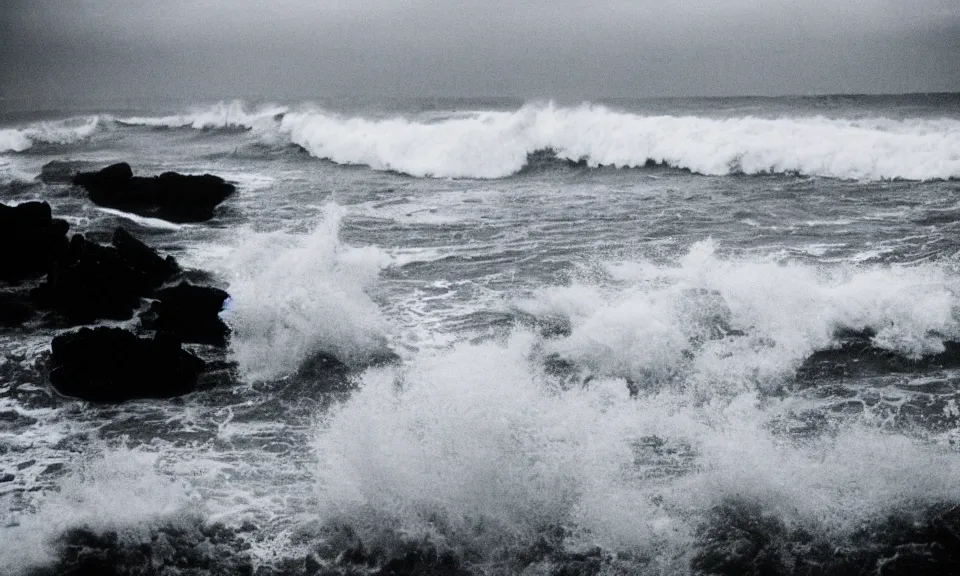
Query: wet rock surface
[
  {"x": 740, "y": 539},
  {"x": 169, "y": 196},
  {"x": 114, "y": 365},
  {"x": 31, "y": 240},
  {"x": 856, "y": 356},
  {"x": 189, "y": 311}
]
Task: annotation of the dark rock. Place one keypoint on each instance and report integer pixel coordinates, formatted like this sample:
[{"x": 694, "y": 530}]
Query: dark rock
[
  {"x": 321, "y": 366},
  {"x": 423, "y": 562},
  {"x": 170, "y": 196},
  {"x": 113, "y": 177},
  {"x": 155, "y": 268},
  {"x": 15, "y": 309},
  {"x": 8, "y": 477},
  {"x": 31, "y": 240},
  {"x": 311, "y": 565},
  {"x": 739, "y": 538},
  {"x": 61, "y": 171},
  {"x": 92, "y": 283},
  {"x": 184, "y": 547},
  {"x": 113, "y": 365},
  {"x": 857, "y": 357},
  {"x": 191, "y": 312}
]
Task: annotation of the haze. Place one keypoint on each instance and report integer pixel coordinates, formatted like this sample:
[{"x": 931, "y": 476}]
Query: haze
[{"x": 296, "y": 49}]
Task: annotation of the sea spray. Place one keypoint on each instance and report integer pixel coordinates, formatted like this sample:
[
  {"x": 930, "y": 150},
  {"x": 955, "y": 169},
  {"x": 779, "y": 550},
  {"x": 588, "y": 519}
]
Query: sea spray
[
  {"x": 296, "y": 295},
  {"x": 720, "y": 321},
  {"x": 479, "y": 452},
  {"x": 108, "y": 489},
  {"x": 66, "y": 131}
]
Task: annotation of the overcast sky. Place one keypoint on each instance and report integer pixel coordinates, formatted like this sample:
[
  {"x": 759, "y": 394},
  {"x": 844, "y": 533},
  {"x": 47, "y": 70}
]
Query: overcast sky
[{"x": 296, "y": 49}]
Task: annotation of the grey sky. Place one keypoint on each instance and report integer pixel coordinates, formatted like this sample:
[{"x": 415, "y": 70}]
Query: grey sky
[{"x": 294, "y": 49}]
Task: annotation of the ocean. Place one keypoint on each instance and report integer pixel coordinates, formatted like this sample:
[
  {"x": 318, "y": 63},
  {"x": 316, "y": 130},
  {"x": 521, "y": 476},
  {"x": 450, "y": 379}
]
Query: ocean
[{"x": 679, "y": 336}]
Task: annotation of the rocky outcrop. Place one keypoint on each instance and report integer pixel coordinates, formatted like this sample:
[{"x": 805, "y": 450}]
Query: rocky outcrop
[
  {"x": 153, "y": 268},
  {"x": 31, "y": 240},
  {"x": 87, "y": 282},
  {"x": 15, "y": 309},
  {"x": 93, "y": 282},
  {"x": 191, "y": 312},
  {"x": 169, "y": 196},
  {"x": 856, "y": 356},
  {"x": 113, "y": 365}
]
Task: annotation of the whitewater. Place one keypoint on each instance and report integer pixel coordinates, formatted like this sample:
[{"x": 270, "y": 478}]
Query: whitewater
[
  {"x": 498, "y": 144},
  {"x": 697, "y": 337}
]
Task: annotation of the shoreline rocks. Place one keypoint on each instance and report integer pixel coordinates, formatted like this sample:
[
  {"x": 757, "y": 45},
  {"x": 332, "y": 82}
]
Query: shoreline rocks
[
  {"x": 169, "y": 196},
  {"x": 31, "y": 240},
  {"x": 114, "y": 365},
  {"x": 85, "y": 282},
  {"x": 856, "y": 356},
  {"x": 189, "y": 311},
  {"x": 94, "y": 282}
]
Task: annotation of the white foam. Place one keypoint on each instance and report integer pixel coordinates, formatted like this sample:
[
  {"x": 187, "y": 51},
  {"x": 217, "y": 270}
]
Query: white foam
[
  {"x": 220, "y": 115},
  {"x": 142, "y": 220},
  {"x": 117, "y": 489},
  {"x": 65, "y": 131},
  {"x": 296, "y": 295},
  {"x": 496, "y": 144},
  {"x": 660, "y": 324},
  {"x": 476, "y": 450}
]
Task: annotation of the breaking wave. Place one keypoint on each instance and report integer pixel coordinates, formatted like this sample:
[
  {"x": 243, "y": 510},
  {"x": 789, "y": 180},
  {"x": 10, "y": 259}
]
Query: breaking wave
[
  {"x": 477, "y": 452},
  {"x": 739, "y": 324},
  {"x": 66, "y": 131},
  {"x": 497, "y": 144},
  {"x": 294, "y": 296},
  {"x": 223, "y": 115},
  {"x": 486, "y": 451},
  {"x": 111, "y": 489}
]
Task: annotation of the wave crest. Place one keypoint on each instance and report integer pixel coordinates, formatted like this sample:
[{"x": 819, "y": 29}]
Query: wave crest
[
  {"x": 222, "y": 115},
  {"x": 496, "y": 144},
  {"x": 66, "y": 131}
]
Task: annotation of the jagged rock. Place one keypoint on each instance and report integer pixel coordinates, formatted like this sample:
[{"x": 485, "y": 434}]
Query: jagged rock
[
  {"x": 30, "y": 241},
  {"x": 61, "y": 171},
  {"x": 182, "y": 547},
  {"x": 15, "y": 309},
  {"x": 191, "y": 312},
  {"x": 93, "y": 282},
  {"x": 321, "y": 365},
  {"x": 170, "y": 196},
  {"x": 857, "y": 357},
  {"x": 113, "y": 365},
  {"x": 155, "y": 268}
]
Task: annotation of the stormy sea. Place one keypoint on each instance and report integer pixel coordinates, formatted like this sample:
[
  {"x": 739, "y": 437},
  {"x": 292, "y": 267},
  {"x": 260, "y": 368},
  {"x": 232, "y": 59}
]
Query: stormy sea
[{"x": 482, "y": 337}]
